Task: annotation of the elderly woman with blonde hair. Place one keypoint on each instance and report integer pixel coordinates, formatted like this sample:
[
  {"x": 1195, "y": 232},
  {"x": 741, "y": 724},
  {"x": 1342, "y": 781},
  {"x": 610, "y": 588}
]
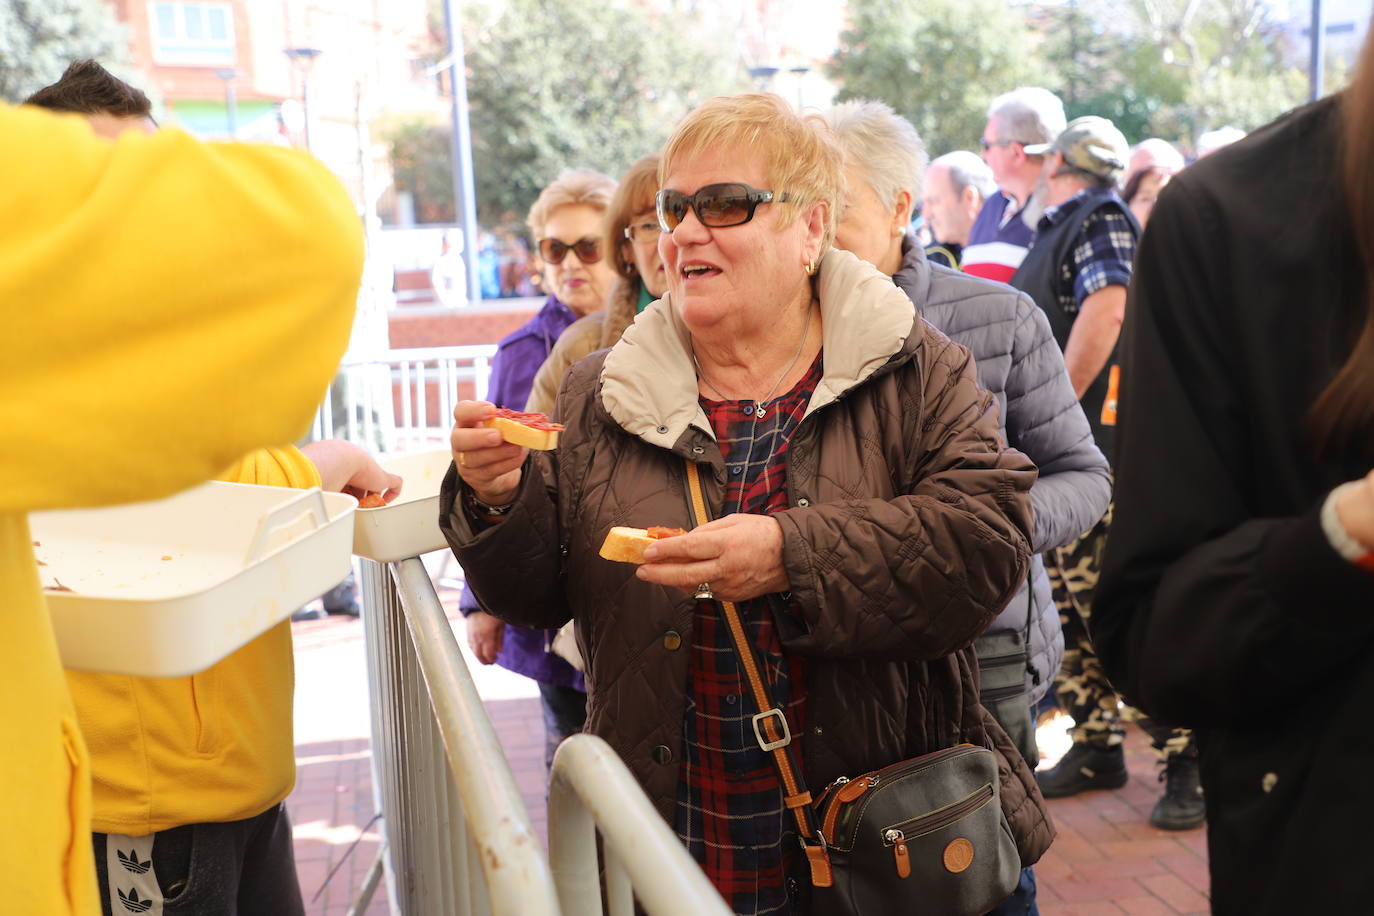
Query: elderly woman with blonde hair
[
  {"x": 632, "y": 236},
  {"x": 566, "y": 221},
  {"x": 868, "y": 520}
]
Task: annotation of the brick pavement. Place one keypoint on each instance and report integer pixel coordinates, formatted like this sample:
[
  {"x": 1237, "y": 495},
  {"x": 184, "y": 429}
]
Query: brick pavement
[{"x": 1107, "y": 859}]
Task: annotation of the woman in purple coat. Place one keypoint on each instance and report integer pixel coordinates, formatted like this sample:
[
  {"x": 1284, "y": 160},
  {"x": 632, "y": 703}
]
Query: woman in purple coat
[{"x": 566, "y": 222}]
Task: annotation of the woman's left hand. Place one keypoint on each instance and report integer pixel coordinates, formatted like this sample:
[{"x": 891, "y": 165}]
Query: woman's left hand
[{"x": 740, "y": 556}]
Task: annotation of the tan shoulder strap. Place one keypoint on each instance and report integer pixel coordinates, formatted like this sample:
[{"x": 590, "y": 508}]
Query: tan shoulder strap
[{"x": 770, "y": 724}]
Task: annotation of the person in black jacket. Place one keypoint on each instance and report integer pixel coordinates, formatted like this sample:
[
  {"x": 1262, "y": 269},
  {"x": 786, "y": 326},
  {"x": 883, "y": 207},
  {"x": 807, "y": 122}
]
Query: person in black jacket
[{"x": 1237, "y": 594}]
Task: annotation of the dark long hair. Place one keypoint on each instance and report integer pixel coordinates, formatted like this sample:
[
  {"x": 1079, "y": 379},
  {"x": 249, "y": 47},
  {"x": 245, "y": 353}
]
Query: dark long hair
[
  {"x": 1342, "y": 417},
  {"x": 1132, "y": 188}
]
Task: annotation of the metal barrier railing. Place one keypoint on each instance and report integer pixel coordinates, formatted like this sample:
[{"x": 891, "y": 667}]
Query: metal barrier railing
[
  {"x": 402, "y": 398},
  {"x": 458, "y": 834},
  {"x": 458, "y": 837},
  {"x": 643, "y": 858}
]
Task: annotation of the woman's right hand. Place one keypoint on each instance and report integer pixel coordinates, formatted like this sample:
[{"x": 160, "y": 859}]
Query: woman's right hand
[
  {"x": 488, "y": 464},
  {"x": 485, "y": 635}
]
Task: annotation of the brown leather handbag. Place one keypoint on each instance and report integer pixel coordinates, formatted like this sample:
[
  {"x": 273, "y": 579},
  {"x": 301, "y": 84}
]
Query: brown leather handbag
[{"x": 921, "y": 835}]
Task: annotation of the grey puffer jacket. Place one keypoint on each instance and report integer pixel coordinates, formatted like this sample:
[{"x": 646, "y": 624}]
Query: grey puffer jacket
[{"x": 1020, "y": 363}]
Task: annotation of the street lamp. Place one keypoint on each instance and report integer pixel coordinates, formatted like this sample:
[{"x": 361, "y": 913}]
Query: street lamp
[
  {"x": 304, "y": 61},
  {"x": 1316, "y": 54},
  {"x": 762, "y": 76},
  {"x": 231, "y": 105},
  {"x": 799, "y": 72},
  {"x": 464, "y": 199}
]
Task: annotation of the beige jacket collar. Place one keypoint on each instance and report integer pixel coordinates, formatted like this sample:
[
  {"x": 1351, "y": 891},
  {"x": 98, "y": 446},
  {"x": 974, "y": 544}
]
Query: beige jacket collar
[{"x": 649, "y": 386}]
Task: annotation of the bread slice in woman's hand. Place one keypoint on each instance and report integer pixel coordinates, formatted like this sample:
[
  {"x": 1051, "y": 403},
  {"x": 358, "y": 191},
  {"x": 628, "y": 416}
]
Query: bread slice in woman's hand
[
  {"x": 529, "y": 430},
  {"x": 627, "y": 545}
]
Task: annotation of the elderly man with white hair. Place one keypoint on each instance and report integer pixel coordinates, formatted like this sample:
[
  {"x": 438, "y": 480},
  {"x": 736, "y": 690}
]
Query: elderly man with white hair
[
  {"x": 1002, "y": 234},
  {"x": 1208, "y": 142},
  {"x": 1018, "y": 360},
  {"x": 955, "y": 187}
]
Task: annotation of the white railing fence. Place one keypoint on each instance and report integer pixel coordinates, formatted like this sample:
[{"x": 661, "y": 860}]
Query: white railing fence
[
  {"x": 402, "y": 399},
  {"x": 458, "y": 837}
]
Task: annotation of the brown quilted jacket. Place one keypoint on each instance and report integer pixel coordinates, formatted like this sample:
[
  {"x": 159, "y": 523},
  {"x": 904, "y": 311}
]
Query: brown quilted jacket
[{"x": 907, "y": 535}]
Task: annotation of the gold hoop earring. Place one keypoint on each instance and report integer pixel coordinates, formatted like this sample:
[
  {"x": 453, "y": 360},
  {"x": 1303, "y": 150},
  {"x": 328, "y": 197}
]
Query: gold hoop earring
[{"x": 810, "y": 268}]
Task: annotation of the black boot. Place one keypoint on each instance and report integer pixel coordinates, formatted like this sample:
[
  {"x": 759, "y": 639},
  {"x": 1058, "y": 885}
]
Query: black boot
[
  {"x": 1182, "y": 807},
  {"x": 343, "y": 598},
  {"x": 1083, "y": 768}
]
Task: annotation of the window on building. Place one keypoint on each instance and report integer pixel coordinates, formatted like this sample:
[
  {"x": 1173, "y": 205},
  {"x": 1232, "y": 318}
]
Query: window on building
[{"x": 192, "y": 34}]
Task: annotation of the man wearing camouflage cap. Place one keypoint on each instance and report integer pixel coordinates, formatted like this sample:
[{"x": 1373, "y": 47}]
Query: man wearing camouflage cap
[
  {"x": 1077, "y": 270},
  {"x": 1079, "y": 264}
]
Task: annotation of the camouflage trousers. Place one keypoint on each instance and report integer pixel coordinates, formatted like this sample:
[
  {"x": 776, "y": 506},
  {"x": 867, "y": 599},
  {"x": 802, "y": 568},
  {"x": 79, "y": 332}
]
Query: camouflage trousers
[{"x": 1081, "y": 686}]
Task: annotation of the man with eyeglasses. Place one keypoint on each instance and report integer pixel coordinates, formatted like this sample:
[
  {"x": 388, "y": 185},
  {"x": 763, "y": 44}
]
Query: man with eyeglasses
[{"x": 1000, "y": 237}]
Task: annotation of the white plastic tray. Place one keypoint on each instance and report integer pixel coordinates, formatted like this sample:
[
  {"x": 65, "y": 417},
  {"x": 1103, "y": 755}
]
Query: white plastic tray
[
  {"x": 168, "y": 588},
  {"x": 409, "y": 526}
]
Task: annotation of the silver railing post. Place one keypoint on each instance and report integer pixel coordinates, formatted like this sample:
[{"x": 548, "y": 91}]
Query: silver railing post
[
  {"x": 506, "y": 850},
  {"x": 458, "y": 838},
  {"x": 593, "y": 790},
  {"x": 422, "y": 814}
]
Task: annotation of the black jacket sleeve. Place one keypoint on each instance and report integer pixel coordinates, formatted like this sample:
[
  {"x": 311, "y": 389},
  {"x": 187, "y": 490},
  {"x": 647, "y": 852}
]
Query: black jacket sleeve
[
  {"x": 515, "y": 567},
  {"x": 1206, "y": 613}
]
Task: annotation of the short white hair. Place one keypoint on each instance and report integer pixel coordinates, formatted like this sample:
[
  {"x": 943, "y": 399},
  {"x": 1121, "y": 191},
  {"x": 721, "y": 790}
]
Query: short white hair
[
  {"x": 883, "y": 143},
  {"x": 1161, "y": 151},
  {"x": 967, "y": 170},
  {"x": 1213, "y": 140},
  {"x": 1028, "y": 114}
]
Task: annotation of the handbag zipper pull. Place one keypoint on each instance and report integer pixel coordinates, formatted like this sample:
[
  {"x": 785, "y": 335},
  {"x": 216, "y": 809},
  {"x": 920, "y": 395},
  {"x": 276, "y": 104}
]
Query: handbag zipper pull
[{"x": 898, "y": 841}]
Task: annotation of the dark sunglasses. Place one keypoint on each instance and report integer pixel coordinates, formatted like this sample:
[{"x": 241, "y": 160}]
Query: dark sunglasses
[
  {"x": 717, "y": 206},
  {"x": 553, "y": 251}
]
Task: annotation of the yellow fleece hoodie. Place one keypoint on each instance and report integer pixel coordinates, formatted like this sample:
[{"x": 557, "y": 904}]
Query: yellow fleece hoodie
[
  {"x": 169, "y": 306},
  {"x": 215, "y": 746}
]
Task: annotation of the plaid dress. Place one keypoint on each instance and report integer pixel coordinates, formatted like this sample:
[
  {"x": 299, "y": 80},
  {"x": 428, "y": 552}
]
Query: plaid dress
[{"x": 729, "y": 810}]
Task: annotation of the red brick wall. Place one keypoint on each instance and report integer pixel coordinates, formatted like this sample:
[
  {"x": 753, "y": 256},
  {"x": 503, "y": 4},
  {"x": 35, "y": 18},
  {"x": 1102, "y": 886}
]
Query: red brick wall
[{"x": 455, "y": 327}]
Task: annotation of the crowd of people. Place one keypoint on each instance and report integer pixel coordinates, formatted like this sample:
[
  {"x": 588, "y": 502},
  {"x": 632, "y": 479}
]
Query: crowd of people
[
  {"x": 1046, "y": 459},
  {"x": 751, "y": 360}
]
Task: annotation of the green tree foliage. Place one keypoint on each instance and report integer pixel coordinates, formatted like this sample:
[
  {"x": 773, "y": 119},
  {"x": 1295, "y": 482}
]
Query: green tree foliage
[
  {"x": 1167, "y": 68},
  {"x": 422, "y": 163},
  {"x": 938, "y": 63},
  {"x": 1097, "y": 69},
  {"x": 39, "y": 38},
  {"x": 1200, "y": 64},
  {"x": 557, "y": 84}
]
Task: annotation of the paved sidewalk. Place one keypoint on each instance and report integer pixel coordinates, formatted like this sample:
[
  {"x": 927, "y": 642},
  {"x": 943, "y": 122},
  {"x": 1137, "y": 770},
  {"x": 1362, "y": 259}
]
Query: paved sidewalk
[{"x": 1107, "y": 859}]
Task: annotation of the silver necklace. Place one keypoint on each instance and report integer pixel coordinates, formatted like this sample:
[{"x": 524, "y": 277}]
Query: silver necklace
[{"x": 758, "y": 405}]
